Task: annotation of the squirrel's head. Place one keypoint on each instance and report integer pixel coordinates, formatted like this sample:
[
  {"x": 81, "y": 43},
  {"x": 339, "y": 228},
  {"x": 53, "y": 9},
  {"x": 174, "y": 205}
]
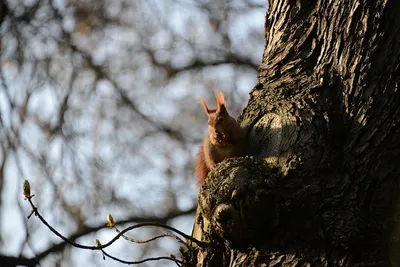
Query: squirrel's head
[{"x": 219, "y": 121}]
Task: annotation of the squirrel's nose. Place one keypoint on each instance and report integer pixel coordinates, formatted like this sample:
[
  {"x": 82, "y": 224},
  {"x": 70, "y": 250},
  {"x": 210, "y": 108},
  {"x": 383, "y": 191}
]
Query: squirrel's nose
[{"x": 220, "y": 136}]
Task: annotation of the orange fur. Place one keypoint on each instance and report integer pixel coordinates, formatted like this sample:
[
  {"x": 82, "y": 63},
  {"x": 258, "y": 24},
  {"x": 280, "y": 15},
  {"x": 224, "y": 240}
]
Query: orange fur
[{"x": 201, "y": 170}]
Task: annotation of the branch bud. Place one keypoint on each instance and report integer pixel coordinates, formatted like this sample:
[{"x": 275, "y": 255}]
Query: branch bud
[
  {"x": 26, "y": 189},
  {"x": 110, "y": 220}
]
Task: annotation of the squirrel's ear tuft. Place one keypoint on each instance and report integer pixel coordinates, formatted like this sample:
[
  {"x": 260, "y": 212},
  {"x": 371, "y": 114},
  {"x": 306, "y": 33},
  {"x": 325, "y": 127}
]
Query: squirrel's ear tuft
[
  {"x": 203, "y": 103},
  {"x": 219, "y": 96}
]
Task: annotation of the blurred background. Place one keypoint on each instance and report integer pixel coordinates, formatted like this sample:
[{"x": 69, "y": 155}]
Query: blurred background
[{"x": 100, "y": 111}]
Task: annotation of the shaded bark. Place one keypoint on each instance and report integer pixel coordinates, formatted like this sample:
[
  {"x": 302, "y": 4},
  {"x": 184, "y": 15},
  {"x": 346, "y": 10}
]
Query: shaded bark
[{"x": 321, "y": 187}]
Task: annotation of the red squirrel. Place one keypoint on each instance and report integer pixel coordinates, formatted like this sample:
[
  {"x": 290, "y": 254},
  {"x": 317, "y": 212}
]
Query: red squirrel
[{"x": 225, "y": 138}]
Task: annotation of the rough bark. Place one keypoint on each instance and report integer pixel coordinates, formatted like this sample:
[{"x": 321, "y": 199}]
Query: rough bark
[{"x": 321, "y": 185}]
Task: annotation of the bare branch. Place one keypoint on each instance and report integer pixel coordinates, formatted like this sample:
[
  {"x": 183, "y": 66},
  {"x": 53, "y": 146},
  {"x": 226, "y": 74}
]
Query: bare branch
[
  {"x": 200, "y": 63},
  {"x": 156, "y": 224},
  {"x": 89, "y": 230}
]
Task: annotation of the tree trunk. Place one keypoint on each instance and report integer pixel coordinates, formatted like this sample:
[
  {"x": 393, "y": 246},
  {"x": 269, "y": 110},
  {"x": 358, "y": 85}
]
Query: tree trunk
[{"x": 321, "y": 185}]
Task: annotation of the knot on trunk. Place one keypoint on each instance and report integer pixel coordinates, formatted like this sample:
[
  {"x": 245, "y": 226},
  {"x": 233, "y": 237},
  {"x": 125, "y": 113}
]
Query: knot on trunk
[{"x": 238, "y": 201}]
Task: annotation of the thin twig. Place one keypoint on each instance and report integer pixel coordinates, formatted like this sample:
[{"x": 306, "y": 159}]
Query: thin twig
[
  {"x": 151, "y": 239},
  {"x": 141, "y": 261},
  {"x": 197, "y": 242}
]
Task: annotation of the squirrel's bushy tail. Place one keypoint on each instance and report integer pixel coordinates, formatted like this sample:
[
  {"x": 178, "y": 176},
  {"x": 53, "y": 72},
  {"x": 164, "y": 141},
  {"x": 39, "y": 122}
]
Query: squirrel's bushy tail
[{"x": 201, "y": 169}]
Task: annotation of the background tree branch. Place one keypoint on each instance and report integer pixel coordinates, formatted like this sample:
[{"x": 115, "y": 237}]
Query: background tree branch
[{"x": 99, "y": 109}]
